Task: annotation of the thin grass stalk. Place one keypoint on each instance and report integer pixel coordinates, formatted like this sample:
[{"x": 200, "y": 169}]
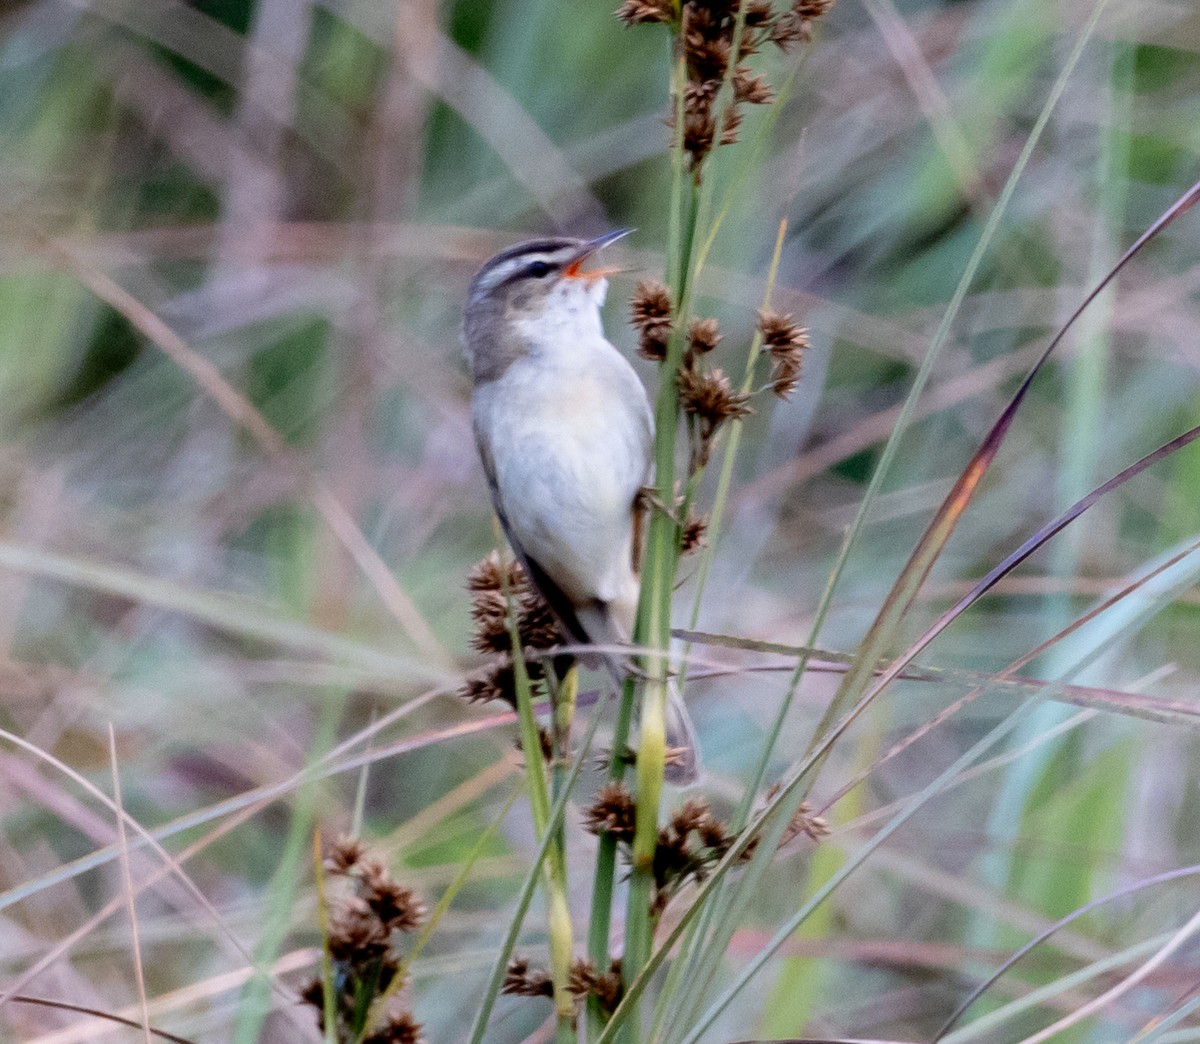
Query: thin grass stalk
[
  {"x": 135, "y": 937},
  {"x": 228, "y": 614},
  {"x": 604, "y": 878},
  {"x": 653, "y": 629},
  {"x": 874, "y": 645},
  {"x": 1082, "y": 435},
  {"x": 126, "y": 846},
  {"x": 764, "y": 825},
  {"x": 360, "y": 793},
  {"x": 883, "y": 628},
  {"x": 255, "y": 799},
  {"x": 945, "y": 780},
  {"x": 756, "y": 829},
  {"x": 880, "y": 635},
  {"x": 670, "y": 993},
  {"x": 732, "y": 445},
  {"x": 1062, "y": 922},
  {"x": 1155, "y": 1030},
  {"x": 600, "y": 922},
  {"x": 984, "y": 1027},
  {"x": 915, "y": 804},
  {"x": 743, "y": 170},
  {"x": 1177, "y": 940},
  {"x": 96, "y": 1013},
  {"x": 525, "y": 896},
  {"x": 328, "y": 992},
  {"x": 254, "y": 1003},
  {"x": 1117, "y": 701},
  {"x": 558, "y": 910}
]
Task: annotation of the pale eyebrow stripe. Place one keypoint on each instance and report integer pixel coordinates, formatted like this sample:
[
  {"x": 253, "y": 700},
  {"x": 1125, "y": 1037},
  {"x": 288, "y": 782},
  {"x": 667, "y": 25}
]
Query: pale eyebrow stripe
[{"x": 510, "y": 268}]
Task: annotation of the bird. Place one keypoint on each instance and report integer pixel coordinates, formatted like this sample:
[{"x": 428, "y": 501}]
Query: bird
[{"x": 565, "y": 434}]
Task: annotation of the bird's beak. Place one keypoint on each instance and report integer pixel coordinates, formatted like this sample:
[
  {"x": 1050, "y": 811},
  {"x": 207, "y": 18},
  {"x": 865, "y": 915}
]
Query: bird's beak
[{"x": 574, "y": 268}]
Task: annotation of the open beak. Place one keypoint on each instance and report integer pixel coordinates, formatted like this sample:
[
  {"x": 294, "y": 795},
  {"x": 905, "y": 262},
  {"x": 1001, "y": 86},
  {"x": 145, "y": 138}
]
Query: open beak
[{"x": 574, "y": 268}]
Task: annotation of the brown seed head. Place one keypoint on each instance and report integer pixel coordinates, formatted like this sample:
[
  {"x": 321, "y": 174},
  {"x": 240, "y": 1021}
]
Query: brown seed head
[
  {"x": 345, "y": 853},
  {"x": 690, "y": 816},
  {"x": 811, "y": 9},
  {"x": 754, "y": 90},
  {"x": 650, "y": 315},
  {"x": 710, "y": 397},
  {"x": 785, "y": 375},
  {"x": 758, "y": 13},
  {"x": 703, "y": 335},
  {"x": 488, "y": 582},
  {"x": 396, "y": 906},
  {"x": 788, "y": 31},
  {"x": 699, "y": 132},
  {"x": 581, "y": 979},
  {"x": 536, "y": 622},
  {"x": 642, "y": 12},
  {"x": 400, "y": 1027},
  {"x": 609, "y": 987},
  {"x": 356, "y": 935},
  {"x": 523, "y": 981},
  {"x": 804, "y": 822},
  {"x": 489, "y": 610},
  {"x": 612, "y": 812},
  {"x": 730, "y": 123},
  {"x": 496, "y": 683},
  {"x": 707, "y": 53},
  {"x": 781, "y": 332},
  {"x": 787, "y": 341},
  {"x": 492, "y": 573},
  {"x": 693, "y": 538}
]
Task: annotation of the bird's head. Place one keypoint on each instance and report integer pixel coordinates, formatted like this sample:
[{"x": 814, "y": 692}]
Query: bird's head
[{"x": 538, "y": 289}]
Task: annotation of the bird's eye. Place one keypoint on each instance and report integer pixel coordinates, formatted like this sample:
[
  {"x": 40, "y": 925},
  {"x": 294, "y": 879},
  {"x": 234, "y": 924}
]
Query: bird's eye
[{"x": 538, "y": 269}]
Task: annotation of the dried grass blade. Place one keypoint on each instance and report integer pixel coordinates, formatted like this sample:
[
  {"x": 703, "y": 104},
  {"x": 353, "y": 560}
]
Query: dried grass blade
[
  {"x": 1062, "y": 922},
  {"x": 934, "y": 539}
]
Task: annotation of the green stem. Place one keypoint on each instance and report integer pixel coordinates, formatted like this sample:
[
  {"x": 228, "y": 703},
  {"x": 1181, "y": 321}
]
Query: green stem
[
  {"x": 328, "y": 994},
  {"x": 559, "y": 913},
  {"x": 600, "y": 922},
  {"x": 693, "y": 941},
  {"x": 479, "y": 1028}
]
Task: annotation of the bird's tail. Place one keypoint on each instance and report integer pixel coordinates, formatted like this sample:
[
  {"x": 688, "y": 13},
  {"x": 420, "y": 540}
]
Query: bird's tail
[{"x": 683, "y": 761}]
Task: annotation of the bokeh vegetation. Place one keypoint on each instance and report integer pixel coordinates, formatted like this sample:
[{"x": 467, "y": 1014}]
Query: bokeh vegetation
[{"x": 239, "y": 496}]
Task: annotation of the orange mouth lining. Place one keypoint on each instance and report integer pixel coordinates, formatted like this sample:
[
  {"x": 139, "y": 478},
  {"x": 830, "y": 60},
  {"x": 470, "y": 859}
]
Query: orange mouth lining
[{"x": 575, "y": 271}]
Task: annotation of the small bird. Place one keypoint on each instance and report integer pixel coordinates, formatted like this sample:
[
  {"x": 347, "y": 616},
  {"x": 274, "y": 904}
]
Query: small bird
[{"x": 565, "y": 432}]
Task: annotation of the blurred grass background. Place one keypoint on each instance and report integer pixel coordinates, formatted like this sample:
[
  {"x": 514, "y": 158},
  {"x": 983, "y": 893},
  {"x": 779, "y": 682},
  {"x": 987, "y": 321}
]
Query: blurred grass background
[{"x": 239, "y": 493}]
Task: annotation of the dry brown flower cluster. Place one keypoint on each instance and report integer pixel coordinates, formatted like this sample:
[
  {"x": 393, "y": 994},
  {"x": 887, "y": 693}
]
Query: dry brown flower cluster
[
  {"x": 651, "y": 316},
  {"x": 691, "y": 842},
  {"x": 522, "y": 980},
  {"x": 363, "y": 924},
  {"x": 785, "y": 341},
  {"x": 715, "y": 46},
  {"x": 709, "y": 399},
  {"x": 690, "y": 845},
  {"x": 695, "y": 530},
  {"x": 803, "y": 822},
  {"x": 492, "y": 582},
  {"x": 705, "y": 395}
]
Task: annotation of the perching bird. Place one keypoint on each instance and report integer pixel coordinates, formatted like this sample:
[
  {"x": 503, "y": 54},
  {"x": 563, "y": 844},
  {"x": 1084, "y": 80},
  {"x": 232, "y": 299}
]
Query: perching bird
[{"x": 565, "y": 432}]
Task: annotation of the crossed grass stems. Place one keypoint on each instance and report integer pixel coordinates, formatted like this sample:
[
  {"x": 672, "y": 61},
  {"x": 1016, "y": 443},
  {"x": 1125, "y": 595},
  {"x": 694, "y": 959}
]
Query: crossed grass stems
[
  {"x": 707, "y": 402},
  {"x": 617, "y": 814},
  {"x": 751, "y": 837},
  {"x": 513, "y": 624}
]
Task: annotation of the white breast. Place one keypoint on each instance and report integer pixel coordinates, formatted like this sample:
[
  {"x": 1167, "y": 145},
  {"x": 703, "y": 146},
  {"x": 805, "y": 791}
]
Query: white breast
[{"x": 569, "y": 431}]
